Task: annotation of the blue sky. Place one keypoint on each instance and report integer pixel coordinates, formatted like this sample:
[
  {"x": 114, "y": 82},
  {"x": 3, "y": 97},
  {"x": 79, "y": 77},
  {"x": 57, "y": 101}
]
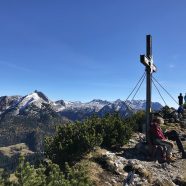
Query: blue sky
[{"x": 85, "y": 49}]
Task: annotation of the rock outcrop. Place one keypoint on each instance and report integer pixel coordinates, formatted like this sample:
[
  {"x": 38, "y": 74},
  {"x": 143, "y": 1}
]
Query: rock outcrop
[{"x": 131, "y": 166}]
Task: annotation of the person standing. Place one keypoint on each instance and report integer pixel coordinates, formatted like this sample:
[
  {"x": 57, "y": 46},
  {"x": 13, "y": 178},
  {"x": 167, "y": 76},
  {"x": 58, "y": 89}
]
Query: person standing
[{"x": 180, "y": 99}]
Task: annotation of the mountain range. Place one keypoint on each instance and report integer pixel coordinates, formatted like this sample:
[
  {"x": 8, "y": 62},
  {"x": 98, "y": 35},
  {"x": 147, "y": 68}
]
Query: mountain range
[
  {"x": 27, "y": 119},
  {"x": 37, "y": 101}
]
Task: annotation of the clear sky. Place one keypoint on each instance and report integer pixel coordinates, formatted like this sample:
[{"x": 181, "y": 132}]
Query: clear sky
[{"x": 86, "y": 49}]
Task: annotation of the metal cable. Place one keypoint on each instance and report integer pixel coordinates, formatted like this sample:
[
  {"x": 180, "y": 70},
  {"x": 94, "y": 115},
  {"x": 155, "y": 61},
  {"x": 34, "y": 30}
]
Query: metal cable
[
  {"x": 159, "y": 92},
  {"x": 138, "y": 88},
  {"x": 165, "y": 90},
  {"x": 128, "y": 105}
]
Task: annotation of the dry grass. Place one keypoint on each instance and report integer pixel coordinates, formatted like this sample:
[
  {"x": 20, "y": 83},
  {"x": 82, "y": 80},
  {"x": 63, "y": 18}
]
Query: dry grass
[
  {"x": 12, "y": 150},
  {"x": 97, "y": 174}
]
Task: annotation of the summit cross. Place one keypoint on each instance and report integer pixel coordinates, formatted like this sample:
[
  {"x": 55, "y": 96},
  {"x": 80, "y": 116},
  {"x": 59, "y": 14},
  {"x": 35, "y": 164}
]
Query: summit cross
[{"x": 147, "y": 61}]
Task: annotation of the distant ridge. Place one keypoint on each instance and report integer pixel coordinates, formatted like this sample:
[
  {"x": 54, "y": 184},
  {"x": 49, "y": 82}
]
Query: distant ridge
[{"x": 37, "y": 101}]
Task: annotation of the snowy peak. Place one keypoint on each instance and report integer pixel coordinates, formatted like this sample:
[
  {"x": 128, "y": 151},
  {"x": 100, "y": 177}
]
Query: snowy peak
[
  {"x": 94, "y": 105},
  {"x": 99, "y": 101},
  {"x": 137, "y": 104},
  {"x": 60, "y": 102},
  {"x": 17, "y": 104},
  {"x": 73, "y": 103},
  {"x": 97, "y": 104},
  {"x": 118, "y": 101},
  {"x": 141, "y": 105},
  {"x": 42, "y": 96},
  {"x": 36, "y": 98}
]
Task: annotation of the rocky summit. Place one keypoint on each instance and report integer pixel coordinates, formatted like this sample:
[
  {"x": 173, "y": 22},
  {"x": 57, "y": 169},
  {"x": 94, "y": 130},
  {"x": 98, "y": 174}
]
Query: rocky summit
[{"x": 130, "y": 165}]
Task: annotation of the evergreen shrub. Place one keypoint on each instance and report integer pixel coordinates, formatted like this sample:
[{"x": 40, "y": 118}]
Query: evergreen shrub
[
  {"x": 75, "y": 139},
  {"x": 45, "y": 175}
]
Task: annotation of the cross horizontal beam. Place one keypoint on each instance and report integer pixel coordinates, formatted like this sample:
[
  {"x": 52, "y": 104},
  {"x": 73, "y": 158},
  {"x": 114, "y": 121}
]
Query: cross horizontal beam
[
  {"x": 148, "y": 63},
  {"x": 144, "y": 60}
]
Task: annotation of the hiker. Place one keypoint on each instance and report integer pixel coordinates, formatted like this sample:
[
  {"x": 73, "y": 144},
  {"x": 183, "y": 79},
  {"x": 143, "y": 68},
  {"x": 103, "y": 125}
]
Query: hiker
[
  {"x": 180, "y": 111},
  {"x": 160, "y": 139},
  {"x": 180, "y": 99},
  {"x": 164, "y": 138},
  {"x": 185, "y": 98}
]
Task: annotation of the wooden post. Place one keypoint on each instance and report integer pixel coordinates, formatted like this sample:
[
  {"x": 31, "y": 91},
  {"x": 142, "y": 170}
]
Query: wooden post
[
  {"x": 149, "y": 83},
  {"x": 147, "y": 61}
]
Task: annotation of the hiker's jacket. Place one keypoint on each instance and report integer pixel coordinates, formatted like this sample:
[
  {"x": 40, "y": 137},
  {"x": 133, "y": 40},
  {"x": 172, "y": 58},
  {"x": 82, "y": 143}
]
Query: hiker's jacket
[{"x": 157, "y": 132}]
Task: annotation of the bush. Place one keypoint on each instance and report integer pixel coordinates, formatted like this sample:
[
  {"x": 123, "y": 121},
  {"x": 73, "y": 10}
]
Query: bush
[
  {"x": 138, "y": 120},
  {"x": 166, "y": 111},
  {"x": 75, "y": 139},
  {"x": 71, "y": 141},
  {"x": 46, "y": 175},
  {"x": 2, "y": 178},
  {"x": 116, "y": 131}
]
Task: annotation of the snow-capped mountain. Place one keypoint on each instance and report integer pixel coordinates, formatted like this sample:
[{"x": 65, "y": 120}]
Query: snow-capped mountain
[
  {"x": 74, "y": 110},
  {"x": 95, "y": 105},
  {"x": 18, "y": 104},
  {"x": 141, "y": 105},
  {"x": 78, "y": 110},
  {"x": 36, "y": 98}
]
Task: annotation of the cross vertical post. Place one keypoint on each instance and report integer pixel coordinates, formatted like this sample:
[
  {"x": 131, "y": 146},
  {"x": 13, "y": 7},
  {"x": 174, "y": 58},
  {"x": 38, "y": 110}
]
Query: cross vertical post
[
  {"x": 149, "y": 83},
  {"x": 147, "y": 61}
]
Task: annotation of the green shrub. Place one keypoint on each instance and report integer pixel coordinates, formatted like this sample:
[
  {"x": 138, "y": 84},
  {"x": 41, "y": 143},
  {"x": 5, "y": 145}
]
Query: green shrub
[
  {"x": 77, "y": 175},
  {"x": 138, "y": 120},
  {"x": 71, "y": 141},
  {"x": 116, "y": 131},
  {"x": 166, "y": 111},
  {"x": 2, "y": 178},
  {"x": 46, "y": 175},
  {"x": 75, "y": 139}
]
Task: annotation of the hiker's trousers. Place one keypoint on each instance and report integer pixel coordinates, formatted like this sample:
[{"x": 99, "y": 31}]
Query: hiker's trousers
[
  {"x": 173, "y": 135},
  {"x": 167, "y": 144}
]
